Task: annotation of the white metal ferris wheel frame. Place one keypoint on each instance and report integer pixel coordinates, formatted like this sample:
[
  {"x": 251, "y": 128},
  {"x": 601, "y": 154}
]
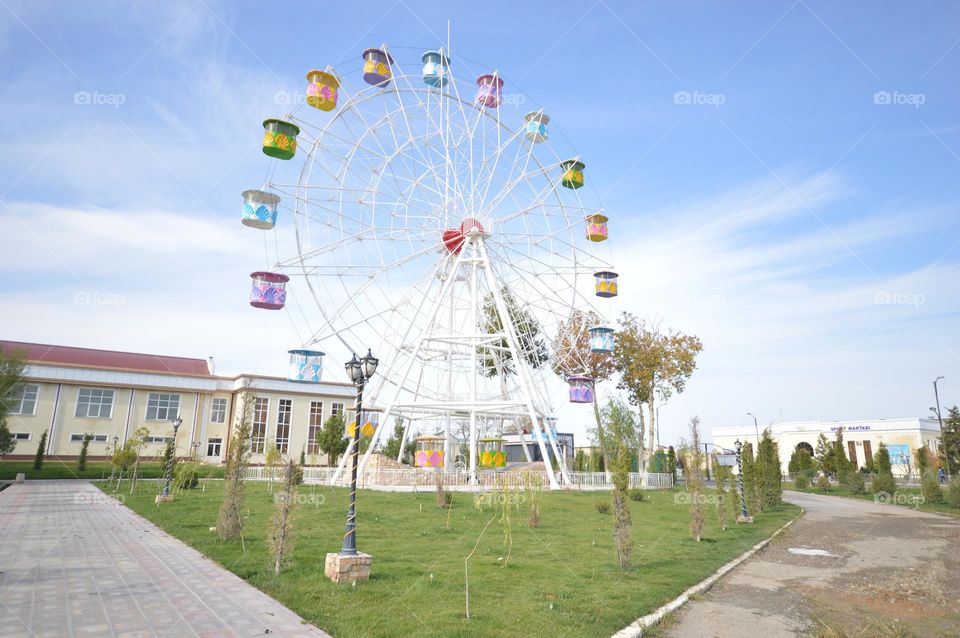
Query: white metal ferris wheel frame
[{"x": 529, "y": 398}]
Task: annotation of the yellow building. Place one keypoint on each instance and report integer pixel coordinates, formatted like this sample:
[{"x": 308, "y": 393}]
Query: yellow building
[{"x": 70, "y": 392}]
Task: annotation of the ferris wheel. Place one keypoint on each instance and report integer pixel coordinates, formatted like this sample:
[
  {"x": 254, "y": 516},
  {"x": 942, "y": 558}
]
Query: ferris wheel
[{"x": 429, "y": 221}]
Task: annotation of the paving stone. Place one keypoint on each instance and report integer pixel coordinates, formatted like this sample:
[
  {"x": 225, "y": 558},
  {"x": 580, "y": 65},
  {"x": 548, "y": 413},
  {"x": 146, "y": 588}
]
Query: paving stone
[{"x": 75, "y": 564}]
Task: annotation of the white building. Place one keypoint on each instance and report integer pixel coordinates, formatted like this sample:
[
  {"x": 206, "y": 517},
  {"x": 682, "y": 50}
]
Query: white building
[{"x": 902, "y": 438}]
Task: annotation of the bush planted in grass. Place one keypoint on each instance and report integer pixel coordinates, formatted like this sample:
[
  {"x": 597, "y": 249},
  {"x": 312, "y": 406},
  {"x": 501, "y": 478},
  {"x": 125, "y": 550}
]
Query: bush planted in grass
[
  {"x": 931, "y": 488},
  {"x": 635, "y": 494},
  {"x": 883, "y": 483},
  {"x": 187, "y": 475},
  {"x": 953, "y": 492},
  {"x": 855, "y": 483},
  {"x": 823, "y": 483},
  {"x": 603, "y": 507},
  {"x": 801, "y": 482}
]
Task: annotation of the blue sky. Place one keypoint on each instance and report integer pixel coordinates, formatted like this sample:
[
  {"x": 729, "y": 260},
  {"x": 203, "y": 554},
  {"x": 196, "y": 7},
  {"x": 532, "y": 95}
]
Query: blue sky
[{"x": 782, "y": 175}]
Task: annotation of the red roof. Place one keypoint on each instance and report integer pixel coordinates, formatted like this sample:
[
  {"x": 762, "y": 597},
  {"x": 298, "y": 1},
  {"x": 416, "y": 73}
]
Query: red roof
[{"x": 109, "y": 359}]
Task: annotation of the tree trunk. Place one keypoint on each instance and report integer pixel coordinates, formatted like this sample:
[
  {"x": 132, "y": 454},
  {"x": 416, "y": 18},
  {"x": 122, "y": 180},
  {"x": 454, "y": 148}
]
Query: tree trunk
[
  {"x": 652, "y": 432},
  {"x": 603, "y": 448}
]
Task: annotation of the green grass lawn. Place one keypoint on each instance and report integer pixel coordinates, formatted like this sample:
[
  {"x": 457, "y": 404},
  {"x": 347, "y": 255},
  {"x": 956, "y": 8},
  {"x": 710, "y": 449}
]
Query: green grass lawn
[
  {"x": 905, "y": 498},
  {"x": 560, "y": 579},
  {"x": 54, "y": 468}
]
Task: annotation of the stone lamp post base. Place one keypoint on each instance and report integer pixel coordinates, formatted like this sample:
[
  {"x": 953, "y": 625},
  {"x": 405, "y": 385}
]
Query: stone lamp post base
[
  {"x": 163, "y": 499},
  {"x": 347, "y": 568},
  {"x": 744, "y": 519}
]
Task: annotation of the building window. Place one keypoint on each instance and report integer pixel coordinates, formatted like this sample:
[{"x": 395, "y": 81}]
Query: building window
[
  {"x": 218, "y": 411},
  {"x": 213, "y": 446},
  {"x": 316, "y": 425},
  {"x": 94, "y": 403},
  {"x": 21, "y": 436},
  {"x": 163, "y": 407},
  {"x": 259, "y": 430},
  {"x": 23, "y": 399},
  {"x": 94, "y": 438},
  {"x": 157, "y": 439},
  {"x": 284, "y": 410},
  {"x": 336, "y": 409}
]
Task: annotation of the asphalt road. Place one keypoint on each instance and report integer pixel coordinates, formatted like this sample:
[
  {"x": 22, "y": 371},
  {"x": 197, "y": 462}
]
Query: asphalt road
[{"x": 848, "y": 567}]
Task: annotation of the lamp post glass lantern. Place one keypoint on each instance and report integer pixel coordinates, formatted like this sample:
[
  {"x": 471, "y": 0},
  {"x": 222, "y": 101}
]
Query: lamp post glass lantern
[
  {"x": 359, "y": 371},
  {"x": 168, "y": 472}
]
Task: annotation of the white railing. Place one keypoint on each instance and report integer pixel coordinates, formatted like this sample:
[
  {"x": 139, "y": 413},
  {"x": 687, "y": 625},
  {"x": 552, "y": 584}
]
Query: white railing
[{"x": 422, "y": 478}]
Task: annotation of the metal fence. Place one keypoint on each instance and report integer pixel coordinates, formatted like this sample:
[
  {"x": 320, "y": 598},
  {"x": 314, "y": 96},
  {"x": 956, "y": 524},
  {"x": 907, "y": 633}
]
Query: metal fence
[{"x": 416, "y": 478}]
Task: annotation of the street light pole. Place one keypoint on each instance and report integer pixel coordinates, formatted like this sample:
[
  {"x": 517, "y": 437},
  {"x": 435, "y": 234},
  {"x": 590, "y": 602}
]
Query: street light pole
[
  {"x": 756, "y": 428},
  {"x": 168, "y": 472},
  {"x": 936, "y": 396},
  {"x": 359, "y": 371}
]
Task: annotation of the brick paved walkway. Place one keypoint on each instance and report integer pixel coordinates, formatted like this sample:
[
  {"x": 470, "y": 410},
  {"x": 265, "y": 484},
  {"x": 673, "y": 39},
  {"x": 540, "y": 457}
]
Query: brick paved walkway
[{"x": 74, "y": 563}]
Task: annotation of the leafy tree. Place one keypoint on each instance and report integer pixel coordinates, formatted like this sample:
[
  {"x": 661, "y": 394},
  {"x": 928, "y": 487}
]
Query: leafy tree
[
  {"x": 392, "y": 447},
  {"x": 331, "y": 439},
  {"x": 671, "y": 461},
  {"x": 800, "y": 461},
  {"x": 951, "y": 441},
  {"x": 843, "y": 466},
  {"x": 11, "y": 380},
  {"x": 824, "y": 455},
  {"x": 229, "y": 519},
  {"x": 653, "y": 365},
  {"x": 572, "y": 355},
  {"x": 620, "y": 437},
  {"x": 124, "y": 456},
  {"x": 138, "y": 440},
  {"x": 496, "y": 359},
  {"x": 41, "y": 446},
  {"x": 751, "y": 478},
  {"x": 84, "y": 448},
  {"x": 768, "y": 473},
  {"x": 883, "y": 480},
  {"x": 722, "y": 474},
  {"x": 929, "y": 483},
  {"x": 953, "y": 492}
]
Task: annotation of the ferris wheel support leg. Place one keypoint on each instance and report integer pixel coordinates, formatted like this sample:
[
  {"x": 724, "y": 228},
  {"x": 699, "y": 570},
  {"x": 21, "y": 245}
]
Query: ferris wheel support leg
[
  {"x": 514, "y": 344},
  {"x": 378, "y": 434}
]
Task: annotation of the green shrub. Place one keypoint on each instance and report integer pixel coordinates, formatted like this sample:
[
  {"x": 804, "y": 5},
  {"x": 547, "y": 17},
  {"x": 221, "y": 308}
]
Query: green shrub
[
  {"x": 186, "y": 476},
  {"x": 801, "y": 482},
  {"x": 931, "y": 488},
  {"x": 635, "y": 494},
  {"x": 855, "y": 483},
  {"x": 953, "y": 492},
  {"x": 883, "y": 483},
  {"x": 298, "y": 474},
  {"x": 603, "y": 507},
  {"x": 823, "y": 483}
]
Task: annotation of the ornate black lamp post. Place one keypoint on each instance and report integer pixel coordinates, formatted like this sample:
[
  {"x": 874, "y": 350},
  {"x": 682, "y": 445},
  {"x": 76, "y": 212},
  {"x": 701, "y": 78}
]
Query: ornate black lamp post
[
  {"x": 744, "y": 517},
  {"x": 359, "y": 372},
  {"x": 168, "y": 473}
]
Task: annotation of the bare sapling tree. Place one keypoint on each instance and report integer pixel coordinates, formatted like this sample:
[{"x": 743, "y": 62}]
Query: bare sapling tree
[
  {"x": 693, "y": 468},
  {"x": 280, "y": 538},
  {"x": 230, "y": 522}
]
